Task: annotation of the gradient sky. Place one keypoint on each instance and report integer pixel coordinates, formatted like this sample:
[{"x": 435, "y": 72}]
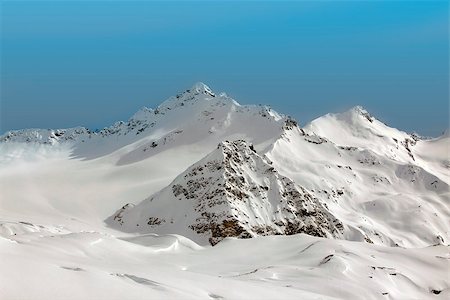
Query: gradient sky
[{"x": 65, "y": 64}]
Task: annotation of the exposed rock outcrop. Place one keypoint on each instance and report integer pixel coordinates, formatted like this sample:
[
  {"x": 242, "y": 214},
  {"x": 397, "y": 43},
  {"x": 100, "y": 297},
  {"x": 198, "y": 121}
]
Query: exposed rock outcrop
[{"x": 233, "y": 192}]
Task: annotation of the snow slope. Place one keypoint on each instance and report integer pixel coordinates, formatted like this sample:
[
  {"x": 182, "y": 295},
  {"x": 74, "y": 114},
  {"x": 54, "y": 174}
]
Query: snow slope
[
  {"x": 386, "y": 187},
  {"x": 94, "y": 265},
  {"x": 383, "y": 191}
]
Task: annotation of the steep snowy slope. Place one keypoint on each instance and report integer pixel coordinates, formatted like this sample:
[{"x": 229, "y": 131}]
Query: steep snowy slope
[
  {"x": 433, "y": 155},
  {"x": 368, "y": 181},
  {"x": 235, "y": 192},
  {"x": 357, "y": 128}
]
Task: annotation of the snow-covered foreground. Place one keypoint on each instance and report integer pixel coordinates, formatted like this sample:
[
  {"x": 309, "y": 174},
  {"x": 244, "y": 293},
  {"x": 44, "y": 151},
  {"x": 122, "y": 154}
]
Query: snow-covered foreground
[
  {"x": 93, "y": 265},
  {"x": 79, "y": 210}
]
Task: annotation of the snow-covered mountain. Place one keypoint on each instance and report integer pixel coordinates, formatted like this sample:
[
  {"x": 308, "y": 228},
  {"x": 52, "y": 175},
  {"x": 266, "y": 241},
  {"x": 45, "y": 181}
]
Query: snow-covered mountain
[
  {"x": 403, "y": 205},
  {"x": 232, "y": 192},
  {"x": 195, "y": 117},
  {"x": 202, "y": 169},
  {"x": 386, "y": 190}
]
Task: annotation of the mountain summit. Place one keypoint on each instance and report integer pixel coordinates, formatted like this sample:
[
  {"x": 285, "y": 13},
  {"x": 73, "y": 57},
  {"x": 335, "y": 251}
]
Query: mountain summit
[{"x": 202, "y": 88}]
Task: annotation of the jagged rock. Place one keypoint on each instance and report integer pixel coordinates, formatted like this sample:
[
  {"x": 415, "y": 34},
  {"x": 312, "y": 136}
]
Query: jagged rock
[{"x": 232, "y": 192}]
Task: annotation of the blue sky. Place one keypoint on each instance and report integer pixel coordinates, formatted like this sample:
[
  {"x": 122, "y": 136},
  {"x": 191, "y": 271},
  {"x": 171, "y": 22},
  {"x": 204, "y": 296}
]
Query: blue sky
[{"x": 88, "y": 63}]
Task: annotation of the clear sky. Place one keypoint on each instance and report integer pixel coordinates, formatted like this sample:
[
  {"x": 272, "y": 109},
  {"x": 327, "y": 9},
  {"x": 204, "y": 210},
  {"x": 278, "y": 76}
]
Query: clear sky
[{"x": 88, "y": 63}]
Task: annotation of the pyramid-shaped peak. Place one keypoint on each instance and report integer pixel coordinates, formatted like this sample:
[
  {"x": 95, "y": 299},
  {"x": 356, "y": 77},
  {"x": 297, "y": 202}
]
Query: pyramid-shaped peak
[
  {"x": 232, "y": 192},
  {"x": 354, "y": 114},
  {"x": 359, "y": 110},
  {"x": 201, "y": 88}
]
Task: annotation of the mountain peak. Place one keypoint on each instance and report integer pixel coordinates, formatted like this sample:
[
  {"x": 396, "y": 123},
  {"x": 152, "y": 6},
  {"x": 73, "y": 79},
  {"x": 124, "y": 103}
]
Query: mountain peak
[
  {"x": 199, "y": 91},
  {"x": 232, "y": 192},
  {"x": 359, "y": 110},
  {"x": 201, "y": 88}
]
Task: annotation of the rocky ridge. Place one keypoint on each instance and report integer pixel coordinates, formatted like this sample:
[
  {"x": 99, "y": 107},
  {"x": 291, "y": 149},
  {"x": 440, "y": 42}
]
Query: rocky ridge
[{"x": 233, "y": 192}]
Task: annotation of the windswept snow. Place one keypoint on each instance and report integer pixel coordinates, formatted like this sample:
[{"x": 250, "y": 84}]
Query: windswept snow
[
  {"x": 377, "y": 197},
  {"x": 92, "y": 265}
]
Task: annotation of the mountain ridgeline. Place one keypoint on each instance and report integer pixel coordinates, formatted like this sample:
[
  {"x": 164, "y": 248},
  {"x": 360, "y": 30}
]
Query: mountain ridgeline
[{"x": 230, "y": 170}]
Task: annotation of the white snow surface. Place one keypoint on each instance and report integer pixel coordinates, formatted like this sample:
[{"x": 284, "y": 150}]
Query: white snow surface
[{"x": 380, "y": 197}]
